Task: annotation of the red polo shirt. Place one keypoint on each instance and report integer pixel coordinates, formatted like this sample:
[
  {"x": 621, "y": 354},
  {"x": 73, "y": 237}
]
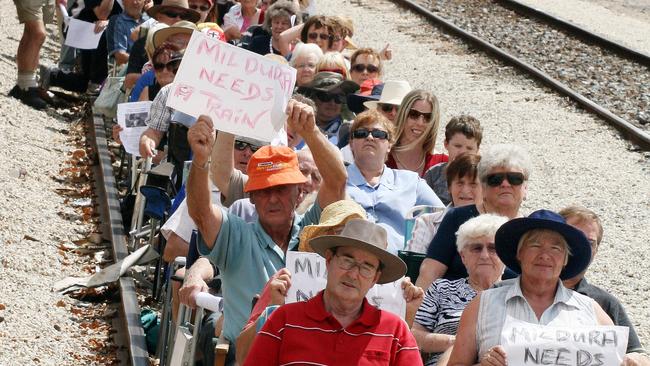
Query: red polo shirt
[{"x": 304, "y": 333}]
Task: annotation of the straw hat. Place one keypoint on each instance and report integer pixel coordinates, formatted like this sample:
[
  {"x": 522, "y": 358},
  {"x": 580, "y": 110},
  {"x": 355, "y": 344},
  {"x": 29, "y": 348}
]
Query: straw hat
[
  {"x": 335, "y": 214},
  {"x": 393, "y": 93},
  {"x": 149, "y": 47},
  {"x": 180, "y": 27},
  {"x": 364, "y": 235}
]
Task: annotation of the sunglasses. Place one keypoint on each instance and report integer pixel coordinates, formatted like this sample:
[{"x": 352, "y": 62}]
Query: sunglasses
[
  {"x": 362, "y": 133},
  {"x": 323, "y": 36},
  {"x": 415, "y": 114},
  {"x": 171, "y": 66},
  {"x": 203, "y": 8},
  {"x": 325, "y": 97},
  {"x": 387, "y": 108},
  {"x": 495, "y": 180},
  {"x": 363, "y": 67},
  {"x": 173, "y": 14},
  {"x": 241, "y": 146}
]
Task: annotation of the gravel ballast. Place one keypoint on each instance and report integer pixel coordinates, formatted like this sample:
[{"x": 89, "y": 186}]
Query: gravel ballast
[{"x": 577, "y": 158}]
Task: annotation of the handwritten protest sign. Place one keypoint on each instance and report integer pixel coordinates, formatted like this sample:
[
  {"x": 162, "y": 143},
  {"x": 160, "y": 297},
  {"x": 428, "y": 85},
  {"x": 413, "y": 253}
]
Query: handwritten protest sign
[
  {"x": 532, "y": 344},
  {"x": 309, "y": 276},
  {"x": 244, "y": 93}
]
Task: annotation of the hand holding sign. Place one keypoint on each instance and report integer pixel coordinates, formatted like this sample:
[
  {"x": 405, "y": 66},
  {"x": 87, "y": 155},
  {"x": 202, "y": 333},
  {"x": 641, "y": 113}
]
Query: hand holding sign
[
  {"x": 201, "y": 138},
  {"x": 279, "y": 285},
  {"x": 495, "y": 356}
]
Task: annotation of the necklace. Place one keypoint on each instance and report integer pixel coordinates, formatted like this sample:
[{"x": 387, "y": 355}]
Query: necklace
[{"x": 417, "y": 170}]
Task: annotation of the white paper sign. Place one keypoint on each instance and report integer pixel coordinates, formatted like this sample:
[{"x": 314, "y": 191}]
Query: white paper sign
[
  {"x": 532, "y": 344},
  {"x": 244, "y": 93},
  {"x": 132, "y": 117},
  {"x": 309, "y": 276},
  {"x": 82, "y": 35}
]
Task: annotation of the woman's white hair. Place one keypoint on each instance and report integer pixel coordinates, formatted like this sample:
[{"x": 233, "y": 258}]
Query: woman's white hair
[
  {"x": 304, "y": 49},
  {"x": 478, "y": 227},
  {"x": 504, "y": 156}
]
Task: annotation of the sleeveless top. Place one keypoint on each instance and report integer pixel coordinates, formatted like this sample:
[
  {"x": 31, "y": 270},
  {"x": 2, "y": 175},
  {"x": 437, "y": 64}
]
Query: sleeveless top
[{"x": 498, "y": 305}]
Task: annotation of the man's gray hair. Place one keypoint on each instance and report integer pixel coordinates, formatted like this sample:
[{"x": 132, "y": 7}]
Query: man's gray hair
[
  {"x": 504, "y": 156},
  {"x": 477, "y": 227}
]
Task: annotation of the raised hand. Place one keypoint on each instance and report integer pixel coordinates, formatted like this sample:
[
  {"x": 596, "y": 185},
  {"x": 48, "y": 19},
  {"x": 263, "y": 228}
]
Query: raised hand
[{"x": 201, "y": 138}]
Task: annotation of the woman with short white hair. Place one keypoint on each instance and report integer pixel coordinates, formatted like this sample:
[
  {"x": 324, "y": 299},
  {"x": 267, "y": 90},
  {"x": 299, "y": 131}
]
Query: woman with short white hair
[
  {"x": 305, "y": 58},
  {"x": 436, "y": 321}
]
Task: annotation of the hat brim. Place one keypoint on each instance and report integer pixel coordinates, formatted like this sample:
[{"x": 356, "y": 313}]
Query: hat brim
[
  {"x": 154, "y": 10},
  {"x": 507, "y": 238},
  {"x": 394, "y": 267},
  {"x": 356, "y": 102},
  {"x": 275, "y": 179},
  {"x": 161, "y": 35},
  {"x": 344, "y": 87}
]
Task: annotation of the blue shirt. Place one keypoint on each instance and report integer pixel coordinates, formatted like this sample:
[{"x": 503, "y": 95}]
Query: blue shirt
[
  {"x": 388, "y": 203},
  {"x": 332, "y": 130},
  {"x": 120, "y": 40},
  {"x": 146, "y": 79},
  {"x": 247, "y": 257}
]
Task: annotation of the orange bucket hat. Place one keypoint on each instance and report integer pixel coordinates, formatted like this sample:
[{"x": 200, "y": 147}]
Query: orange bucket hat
[{"x": 273, "y": 166}]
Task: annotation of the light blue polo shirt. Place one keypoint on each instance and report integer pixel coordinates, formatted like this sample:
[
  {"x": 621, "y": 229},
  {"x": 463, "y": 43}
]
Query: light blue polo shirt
[
  {"x": 388, "y": 202},
  {"x": 247, "y": 257}
]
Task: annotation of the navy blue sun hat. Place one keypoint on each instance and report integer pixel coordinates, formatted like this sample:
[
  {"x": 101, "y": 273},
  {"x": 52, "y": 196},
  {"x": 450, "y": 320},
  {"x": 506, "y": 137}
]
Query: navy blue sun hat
[
  {"x": 507, "y": 238},
  {"x": 355, "y": 101}
]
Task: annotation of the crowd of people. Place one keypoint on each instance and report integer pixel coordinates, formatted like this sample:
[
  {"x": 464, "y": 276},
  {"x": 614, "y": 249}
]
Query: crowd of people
[{"x": 361, "y": 155}]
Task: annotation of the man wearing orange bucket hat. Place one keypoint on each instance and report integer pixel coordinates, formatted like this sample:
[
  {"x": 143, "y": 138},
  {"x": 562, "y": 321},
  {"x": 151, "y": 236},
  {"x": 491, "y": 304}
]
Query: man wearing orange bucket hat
[{"x": 247, "y": 255}]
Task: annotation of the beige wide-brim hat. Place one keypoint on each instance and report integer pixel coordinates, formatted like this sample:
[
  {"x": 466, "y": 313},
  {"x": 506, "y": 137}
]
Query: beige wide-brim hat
[
  {"x": 149, "y": 47},
  {"x": 364, "y": 235},
  {"x": 180, "y": 27},
  {"x": 335, "y": 214},
  {"x": 393, "y": 93},
  {"x": 177, "y": 5}
]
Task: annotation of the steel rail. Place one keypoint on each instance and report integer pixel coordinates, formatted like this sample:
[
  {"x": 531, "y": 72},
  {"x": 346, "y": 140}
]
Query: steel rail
[
  {"x": 630, "y": 131},
  {"x": 586, "y": 35},
  {"x": 130, "y": 310}
]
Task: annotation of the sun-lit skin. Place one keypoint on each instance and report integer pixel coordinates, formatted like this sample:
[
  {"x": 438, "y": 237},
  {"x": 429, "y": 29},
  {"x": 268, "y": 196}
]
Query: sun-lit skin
[
  {"x": 504, "y": 196},
  {"x": 458, "y": 144},
  {"x": 201, "y": 6},
  {"x": 482, "y": 262},
  {"x": 370, "y": 150},
  {"x": 416, "y": 127},
  {"x": 275, "y": 205},
  {"x": 465, "y": 191},
  {"x": 305, "y": 65},
  {"x": 543, "y": 258},
  {"x": 365, "y": 59},
  {"x": 349, "y": 286},
  {"x": 323, "y": 44}
]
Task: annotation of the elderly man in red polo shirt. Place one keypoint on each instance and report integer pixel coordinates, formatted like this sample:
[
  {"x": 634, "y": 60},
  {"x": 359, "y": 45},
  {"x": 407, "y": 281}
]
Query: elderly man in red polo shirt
[{"x": 339, "y": 326}]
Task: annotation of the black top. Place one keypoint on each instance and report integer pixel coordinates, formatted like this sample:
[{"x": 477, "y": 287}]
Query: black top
[
  {"x": 87, "y": 14},
  {"x": 137, "y": 57},
  {"x": 443, "y": 246},
  {"x": 614, "y": 309}
]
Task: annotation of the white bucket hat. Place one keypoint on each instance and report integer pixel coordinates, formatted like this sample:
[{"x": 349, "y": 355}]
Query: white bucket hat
[{"x": 393, "y": 93}]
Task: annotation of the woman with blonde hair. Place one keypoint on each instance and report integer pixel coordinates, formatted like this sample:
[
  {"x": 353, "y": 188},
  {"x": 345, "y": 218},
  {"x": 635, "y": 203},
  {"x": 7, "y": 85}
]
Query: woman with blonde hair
[
  {"x": 417, "y": 124},
  {"x": 333, "y": 62}
]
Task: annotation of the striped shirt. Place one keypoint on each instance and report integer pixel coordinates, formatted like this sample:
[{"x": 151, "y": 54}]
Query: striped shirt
[
  {"x": 305, "y": 333},
  {"x": 442, "y": 307}
]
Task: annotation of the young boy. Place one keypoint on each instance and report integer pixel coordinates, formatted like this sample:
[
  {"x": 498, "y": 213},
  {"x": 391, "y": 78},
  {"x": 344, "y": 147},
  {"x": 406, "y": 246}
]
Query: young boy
[{"x": 462, "y": 134}]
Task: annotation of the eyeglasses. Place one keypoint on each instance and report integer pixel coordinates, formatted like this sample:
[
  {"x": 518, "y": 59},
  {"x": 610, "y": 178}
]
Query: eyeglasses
[
  {"x": 306, "y": 66},
  {"x": 241, "y": 146},
  {"x": 415, "y": 114},
  {"x": 347, "y": 263},
  {"x": 203, "y": 8},
  {"x": 363, "y": 67},
  {"x": 363, "y": 133},
  {"x": 387, "y": 108},
  {"x": 495, "y": 180},
  {"x": 326, "y": 97},
  {"x": 173, "y": 14},
  {"x": 323, "y": 36},
  {"x": 478, "y": 248},
  {"x": 171, "y": 66}
]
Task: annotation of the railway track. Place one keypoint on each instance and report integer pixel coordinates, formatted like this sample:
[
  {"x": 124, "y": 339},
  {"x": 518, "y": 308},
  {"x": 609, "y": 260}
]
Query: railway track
[
  {"x": 600, "y": 75},
  {"x": 130, "y": 333}
]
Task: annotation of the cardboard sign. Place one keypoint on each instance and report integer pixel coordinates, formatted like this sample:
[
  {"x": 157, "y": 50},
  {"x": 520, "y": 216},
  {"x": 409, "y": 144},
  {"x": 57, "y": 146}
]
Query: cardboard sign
[
  {"x": 309, "y": 276},
  {"x": 532, "y": 344},
  {"x": 244, "y": 93}
]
